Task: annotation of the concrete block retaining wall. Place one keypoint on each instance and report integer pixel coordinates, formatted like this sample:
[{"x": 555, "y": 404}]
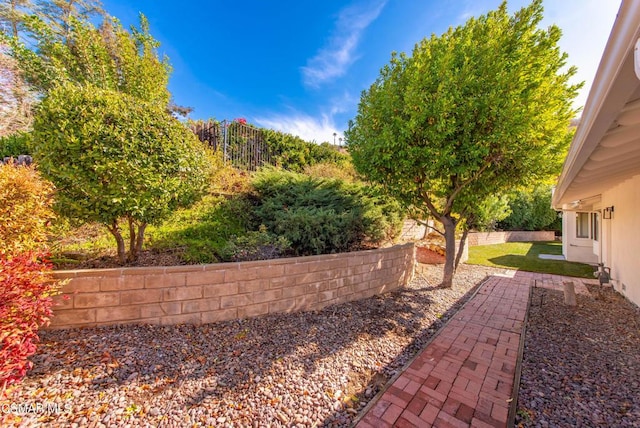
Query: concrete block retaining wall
[
  {"x": 488, "y": 238},
  {"x": 412, "y": 231},
  {"x": 208, "y": 293}
]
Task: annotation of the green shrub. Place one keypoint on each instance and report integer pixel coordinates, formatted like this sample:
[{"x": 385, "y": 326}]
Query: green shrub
[
  {"x": 255, "y": 245},
  {"x": 488, "y": 213},
  {"x": 292, "y": 153},
  {"x": 14, "y": 145},
  {"x": 319, "y": 216},
  {"x": 25, "y": 208}
]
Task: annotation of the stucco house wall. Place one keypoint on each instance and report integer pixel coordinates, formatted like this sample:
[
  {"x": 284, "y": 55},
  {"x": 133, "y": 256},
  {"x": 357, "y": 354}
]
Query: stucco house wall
[
  {"x": 601, "y": 174},
  {"x": 621, "y": 237}
]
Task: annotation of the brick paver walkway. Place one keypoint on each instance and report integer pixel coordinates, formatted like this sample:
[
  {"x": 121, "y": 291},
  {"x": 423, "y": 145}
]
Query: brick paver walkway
[{"x": 465, "y": 375}]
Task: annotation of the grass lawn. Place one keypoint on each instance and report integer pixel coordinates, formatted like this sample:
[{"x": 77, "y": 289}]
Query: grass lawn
[{"x": 524, "y": 256}]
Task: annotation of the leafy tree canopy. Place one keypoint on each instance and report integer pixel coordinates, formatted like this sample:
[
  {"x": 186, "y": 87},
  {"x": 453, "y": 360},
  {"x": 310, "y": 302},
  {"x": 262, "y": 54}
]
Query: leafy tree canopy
[
  {"x": 530, "y": 210},
  {"x": 112, "y": 157},
  {"x": 12, "y": 15},
  {"x": 108, "y": 57},
  {"x": 482, "y": 108}
]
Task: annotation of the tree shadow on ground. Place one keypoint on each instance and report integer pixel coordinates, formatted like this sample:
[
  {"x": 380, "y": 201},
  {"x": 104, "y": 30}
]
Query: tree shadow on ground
[{"x": 511, "y": 260}]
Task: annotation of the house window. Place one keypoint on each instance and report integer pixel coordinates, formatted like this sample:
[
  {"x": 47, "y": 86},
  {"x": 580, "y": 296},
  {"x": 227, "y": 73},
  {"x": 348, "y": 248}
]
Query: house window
[
  {"x": 595, "y": 226},
  {"x": 582, "y": 225}
]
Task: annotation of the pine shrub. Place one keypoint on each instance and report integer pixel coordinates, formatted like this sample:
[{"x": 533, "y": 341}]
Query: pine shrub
[{"x": 320, "y": 215}]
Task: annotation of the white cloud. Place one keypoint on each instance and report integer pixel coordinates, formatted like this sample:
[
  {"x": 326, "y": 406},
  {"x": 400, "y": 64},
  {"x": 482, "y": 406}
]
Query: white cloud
[
  {"x": 318, "y": 128},
  {"x": 307, "y": 127},
  {"x": 334, "y": 59}
]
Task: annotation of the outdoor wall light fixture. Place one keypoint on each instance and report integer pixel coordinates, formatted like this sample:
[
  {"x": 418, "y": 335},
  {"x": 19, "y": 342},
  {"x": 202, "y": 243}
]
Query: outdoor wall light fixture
[{"x": 607, "y": 212}]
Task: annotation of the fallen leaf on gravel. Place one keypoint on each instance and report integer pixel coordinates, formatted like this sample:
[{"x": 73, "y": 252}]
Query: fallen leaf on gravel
[
  {"x": 282, "y": 417},
  {"x": 196, "y": 373}
]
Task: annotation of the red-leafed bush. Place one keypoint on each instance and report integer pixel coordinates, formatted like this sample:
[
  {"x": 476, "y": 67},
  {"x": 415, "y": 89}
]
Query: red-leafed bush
[{"x": 26, "y": 288}]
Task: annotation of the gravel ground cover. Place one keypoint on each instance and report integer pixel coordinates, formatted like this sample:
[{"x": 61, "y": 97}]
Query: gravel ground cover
[
  {"x": 581, "y": 365},
  {"x": 315, "y": 368}
]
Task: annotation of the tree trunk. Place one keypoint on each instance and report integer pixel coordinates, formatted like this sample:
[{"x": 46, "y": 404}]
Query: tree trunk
[
  {"x": 450, "y": 249},
  {"x": 140, "y": 238},
  {"x": 115, "y": 231},
  {"x": 132, "y": 239},
  {"x": 463, "y": 242},
  {"x": 136, "y": 238}
]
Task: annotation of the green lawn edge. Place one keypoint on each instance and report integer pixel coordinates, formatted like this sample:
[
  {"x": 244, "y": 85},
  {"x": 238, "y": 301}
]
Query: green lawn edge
[{"x": 524, "y": 256}]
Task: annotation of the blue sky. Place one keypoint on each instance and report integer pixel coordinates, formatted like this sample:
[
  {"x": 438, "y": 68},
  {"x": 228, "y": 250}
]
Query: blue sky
[{"x": 300, "y": 66}]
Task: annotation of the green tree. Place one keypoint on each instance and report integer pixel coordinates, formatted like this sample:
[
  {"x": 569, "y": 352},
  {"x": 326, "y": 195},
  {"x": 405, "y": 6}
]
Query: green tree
[
  {"x": 15, "y": 97},
  {"x": 482, "y": 108},
  {"x": 12, "y": 14},
  {"x": 114, "y": 157},
  {"x": 108, "y": 57},
  {"x": 61, "y": 14},
  {"x": 489, "y": 213},
  {"x": 530, "y": 210}
]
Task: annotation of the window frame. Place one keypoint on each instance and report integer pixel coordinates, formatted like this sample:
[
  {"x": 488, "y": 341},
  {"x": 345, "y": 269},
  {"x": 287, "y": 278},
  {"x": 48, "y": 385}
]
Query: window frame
[{"x": 583, "y": 231}]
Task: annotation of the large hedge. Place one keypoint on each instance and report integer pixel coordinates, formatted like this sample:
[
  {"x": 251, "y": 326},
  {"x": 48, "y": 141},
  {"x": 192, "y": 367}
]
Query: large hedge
[
  {"x": 115, "y": 157},
  {"x": 531, "y": 210},
  {"x": 319, "y": 216}
]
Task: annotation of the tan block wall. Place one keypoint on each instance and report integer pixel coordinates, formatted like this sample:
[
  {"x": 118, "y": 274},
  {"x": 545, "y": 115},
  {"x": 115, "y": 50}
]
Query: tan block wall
[
  {"x": 412, "y": 231},
  {"x": 216, "y": 292},
  {"x": 489, "y": 238}
]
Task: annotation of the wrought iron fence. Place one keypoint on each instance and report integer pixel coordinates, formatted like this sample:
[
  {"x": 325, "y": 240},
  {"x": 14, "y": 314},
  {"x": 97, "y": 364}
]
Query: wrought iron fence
[{"x": 242, "y": 145}]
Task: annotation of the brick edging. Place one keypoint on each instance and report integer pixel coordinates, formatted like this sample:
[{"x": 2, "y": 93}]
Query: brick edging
[{"x": 513, "y": 408}]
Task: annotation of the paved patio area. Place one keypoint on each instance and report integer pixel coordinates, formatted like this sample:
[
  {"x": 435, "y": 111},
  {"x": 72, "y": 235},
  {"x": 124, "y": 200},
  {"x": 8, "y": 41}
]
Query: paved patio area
[{"x": 465, "y": 376}]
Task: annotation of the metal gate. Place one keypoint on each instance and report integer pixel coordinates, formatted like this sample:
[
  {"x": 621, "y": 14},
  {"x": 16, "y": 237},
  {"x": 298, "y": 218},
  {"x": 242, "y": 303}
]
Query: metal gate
[{"x": 242, "y": 145}]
